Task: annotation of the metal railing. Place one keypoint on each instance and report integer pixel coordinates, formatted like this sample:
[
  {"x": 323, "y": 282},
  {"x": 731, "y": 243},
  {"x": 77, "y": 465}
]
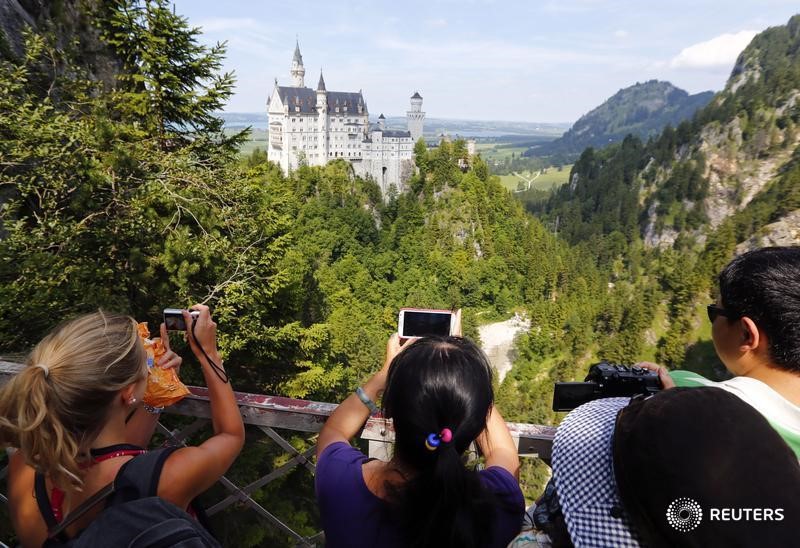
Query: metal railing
[{"x": 268, "y": 413}]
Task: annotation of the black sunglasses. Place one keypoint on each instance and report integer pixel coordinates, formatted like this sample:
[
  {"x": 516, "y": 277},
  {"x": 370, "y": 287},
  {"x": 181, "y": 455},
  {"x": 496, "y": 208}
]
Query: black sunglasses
[{"x": 714, "y": 311}]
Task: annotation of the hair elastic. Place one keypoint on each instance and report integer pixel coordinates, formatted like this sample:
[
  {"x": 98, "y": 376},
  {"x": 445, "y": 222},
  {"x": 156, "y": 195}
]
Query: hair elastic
[
  {"x": 44, "y": 368},
  {"x": 433, "y": 441}
]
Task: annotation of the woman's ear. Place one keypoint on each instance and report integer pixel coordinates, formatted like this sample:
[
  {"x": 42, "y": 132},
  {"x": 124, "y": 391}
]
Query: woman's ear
[
  {"x": 751, "y": 337},
  {"x": 127, "y": 394}
]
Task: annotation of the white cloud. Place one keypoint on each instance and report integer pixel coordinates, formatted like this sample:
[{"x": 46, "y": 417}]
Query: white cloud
[
  {"x": 436, "y": 23},
  {"x": 719, "y": 51},
  {"x": 621, "y": 33}
]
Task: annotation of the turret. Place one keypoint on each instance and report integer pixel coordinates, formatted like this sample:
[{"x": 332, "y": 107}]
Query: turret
[
  {"x": 415, "y": 118},
  {"x": 382, "y": 122},
  {"x": 322, "y": 119},
  {"x": 298, "y": 70}
]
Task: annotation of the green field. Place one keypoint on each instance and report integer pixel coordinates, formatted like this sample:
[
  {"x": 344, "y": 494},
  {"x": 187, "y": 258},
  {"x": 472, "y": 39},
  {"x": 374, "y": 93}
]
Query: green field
[
  {"x": 491, "y": 152},
  {"x": 258, "y": 139},
  {"x": 545, "y": 180}
]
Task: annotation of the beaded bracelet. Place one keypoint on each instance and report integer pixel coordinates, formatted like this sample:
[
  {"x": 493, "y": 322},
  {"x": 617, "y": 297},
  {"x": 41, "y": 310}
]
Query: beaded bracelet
[
  {"x": 152, "y": 409},
  {"x": 373, "y": 409}
]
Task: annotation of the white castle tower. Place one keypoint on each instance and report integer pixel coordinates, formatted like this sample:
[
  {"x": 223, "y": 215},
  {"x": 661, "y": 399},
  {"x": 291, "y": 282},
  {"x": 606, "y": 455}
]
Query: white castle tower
[
  {"x": 415, "y": 117},
  {"x": 298, "y": 70},
  {"x": 323, "y": 134}
]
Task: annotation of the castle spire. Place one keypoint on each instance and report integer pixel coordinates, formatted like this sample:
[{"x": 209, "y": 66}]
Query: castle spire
[
  {"x": 321, "y": 84},
  {"x": 298, "y": 71},
  {"x": 297, "y": 57}
]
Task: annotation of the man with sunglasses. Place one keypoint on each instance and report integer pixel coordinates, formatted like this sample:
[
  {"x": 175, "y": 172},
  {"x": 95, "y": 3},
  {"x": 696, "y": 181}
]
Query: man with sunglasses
[{"x": 755, "y": 327}]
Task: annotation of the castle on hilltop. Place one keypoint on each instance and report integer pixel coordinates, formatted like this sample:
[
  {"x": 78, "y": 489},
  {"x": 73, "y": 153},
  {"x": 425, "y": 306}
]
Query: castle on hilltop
[{"x": 315, "y": 126}]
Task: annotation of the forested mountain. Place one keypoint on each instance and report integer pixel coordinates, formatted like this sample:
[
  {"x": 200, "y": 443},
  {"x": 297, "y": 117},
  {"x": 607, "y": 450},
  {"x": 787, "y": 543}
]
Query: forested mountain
[{"x": 643, "y": 110}]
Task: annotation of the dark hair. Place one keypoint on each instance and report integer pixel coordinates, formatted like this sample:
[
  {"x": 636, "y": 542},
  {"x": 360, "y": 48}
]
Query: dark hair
[
  {"x": 764, "y": 285},
  {"x": 437, "y": 383}
]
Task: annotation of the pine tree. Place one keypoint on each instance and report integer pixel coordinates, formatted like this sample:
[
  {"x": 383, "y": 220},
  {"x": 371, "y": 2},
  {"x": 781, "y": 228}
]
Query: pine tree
[{"x": 169, "y": 83}]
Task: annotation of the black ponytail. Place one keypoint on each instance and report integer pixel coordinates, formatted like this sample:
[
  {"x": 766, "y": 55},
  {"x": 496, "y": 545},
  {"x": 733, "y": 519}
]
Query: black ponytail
[{"x": 436, "y": 384}]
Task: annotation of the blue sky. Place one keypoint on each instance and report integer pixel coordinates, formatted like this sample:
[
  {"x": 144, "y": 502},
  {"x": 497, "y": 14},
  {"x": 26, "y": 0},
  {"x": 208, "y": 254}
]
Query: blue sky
[{"x": 537, "y": 61}]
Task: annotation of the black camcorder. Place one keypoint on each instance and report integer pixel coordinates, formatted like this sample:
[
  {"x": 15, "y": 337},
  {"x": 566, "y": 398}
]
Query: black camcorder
[{"x": 605, "y": 380}]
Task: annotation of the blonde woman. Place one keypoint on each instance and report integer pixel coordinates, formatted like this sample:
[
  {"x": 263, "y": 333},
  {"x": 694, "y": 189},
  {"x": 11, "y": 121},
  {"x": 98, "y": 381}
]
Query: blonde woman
[{"x": 74, "y": 415}]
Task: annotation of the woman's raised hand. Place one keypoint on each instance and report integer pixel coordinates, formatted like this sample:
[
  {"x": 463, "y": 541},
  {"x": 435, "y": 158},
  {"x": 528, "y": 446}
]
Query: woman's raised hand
[
  {"x": 201, "y": 331},
  {"x": 169, "y": 359}
]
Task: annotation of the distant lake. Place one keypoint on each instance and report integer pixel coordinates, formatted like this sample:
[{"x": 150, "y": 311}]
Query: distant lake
[{"x": 433, "y": 126}]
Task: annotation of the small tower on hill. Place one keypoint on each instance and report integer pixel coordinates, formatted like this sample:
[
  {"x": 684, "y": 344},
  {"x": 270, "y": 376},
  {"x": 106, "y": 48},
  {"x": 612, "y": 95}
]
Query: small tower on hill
[{"x": 415, "y": 117}]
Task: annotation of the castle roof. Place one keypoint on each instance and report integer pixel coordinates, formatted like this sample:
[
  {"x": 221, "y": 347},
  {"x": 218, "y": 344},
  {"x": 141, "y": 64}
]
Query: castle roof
[
  {"x": 416, "y": 95},
  {"x": 321, "y": 84},
  {"x": 394, "y": 133},
  {"x": 306, "y": 99}
]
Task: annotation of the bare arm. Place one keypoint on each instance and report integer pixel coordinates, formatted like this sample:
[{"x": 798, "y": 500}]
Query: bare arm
[
  {"x": 25, "y": 516},
  {"x": 192, "y": 470},
  {"x": 497, "y": 445},
  {"x": 350, "y": 416}
]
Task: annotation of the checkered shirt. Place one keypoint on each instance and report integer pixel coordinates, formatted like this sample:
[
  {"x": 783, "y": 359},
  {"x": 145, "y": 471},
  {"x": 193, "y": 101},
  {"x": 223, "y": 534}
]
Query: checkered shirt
[{"x": 584, "y": 475}]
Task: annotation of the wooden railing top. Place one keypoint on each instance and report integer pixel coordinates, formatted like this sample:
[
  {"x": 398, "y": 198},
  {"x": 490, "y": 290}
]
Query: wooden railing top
[{"x": 309, "y": 416}]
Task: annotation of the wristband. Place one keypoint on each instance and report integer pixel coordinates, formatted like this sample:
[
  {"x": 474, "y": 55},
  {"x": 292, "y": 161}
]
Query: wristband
[
  {"x": 373, "y": 409},
  {"x": 153, "y": 410}
]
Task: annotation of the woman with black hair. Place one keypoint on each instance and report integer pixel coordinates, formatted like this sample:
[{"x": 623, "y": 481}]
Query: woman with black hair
[{"x": 438, "y": 393}]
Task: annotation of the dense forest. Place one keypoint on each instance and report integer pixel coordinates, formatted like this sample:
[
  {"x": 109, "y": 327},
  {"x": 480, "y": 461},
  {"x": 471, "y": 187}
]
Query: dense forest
[{"x": 123, "y": 192}]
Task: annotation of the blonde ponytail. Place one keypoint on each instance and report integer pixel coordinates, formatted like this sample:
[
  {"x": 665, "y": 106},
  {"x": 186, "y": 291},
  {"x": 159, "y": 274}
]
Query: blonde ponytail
[{"x": 55, "y": 407}]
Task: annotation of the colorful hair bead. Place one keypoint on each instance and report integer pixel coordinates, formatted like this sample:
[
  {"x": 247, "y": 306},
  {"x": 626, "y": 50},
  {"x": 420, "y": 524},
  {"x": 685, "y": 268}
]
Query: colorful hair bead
[
  {"x": 432, "y": 442},
  {"x": 446, "y": 435}
]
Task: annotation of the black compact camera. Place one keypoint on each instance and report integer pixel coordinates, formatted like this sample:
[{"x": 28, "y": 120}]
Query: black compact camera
[{"x": 605, "y": 380}]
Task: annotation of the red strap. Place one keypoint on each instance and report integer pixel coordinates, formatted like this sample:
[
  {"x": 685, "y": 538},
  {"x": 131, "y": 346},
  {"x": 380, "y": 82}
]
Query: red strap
[
  {"x": 120, "y": 453},
  {"x": 56, "y": 502}
]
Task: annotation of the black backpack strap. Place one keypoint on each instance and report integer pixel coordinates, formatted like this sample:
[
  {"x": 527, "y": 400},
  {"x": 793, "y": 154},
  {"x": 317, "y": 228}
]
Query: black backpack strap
[
  {"x": 43, "y": 500},
  {"x": 60, "y": 529},
  {"x": 138, "y": 478}
]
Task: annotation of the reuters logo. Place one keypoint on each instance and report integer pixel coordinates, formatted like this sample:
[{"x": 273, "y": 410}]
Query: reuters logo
[{"x": 684, "y": 514}]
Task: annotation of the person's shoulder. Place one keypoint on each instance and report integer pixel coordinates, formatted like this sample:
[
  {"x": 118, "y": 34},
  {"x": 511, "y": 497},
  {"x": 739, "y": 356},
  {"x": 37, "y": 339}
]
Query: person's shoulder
[
  {"x": 689, "y": 378},
  {"x": 338, "y": 479},
  {"x": 502, "y": 482},
  {"x": 339, "y": 455},
  {"x": 342, "y": 451}
]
